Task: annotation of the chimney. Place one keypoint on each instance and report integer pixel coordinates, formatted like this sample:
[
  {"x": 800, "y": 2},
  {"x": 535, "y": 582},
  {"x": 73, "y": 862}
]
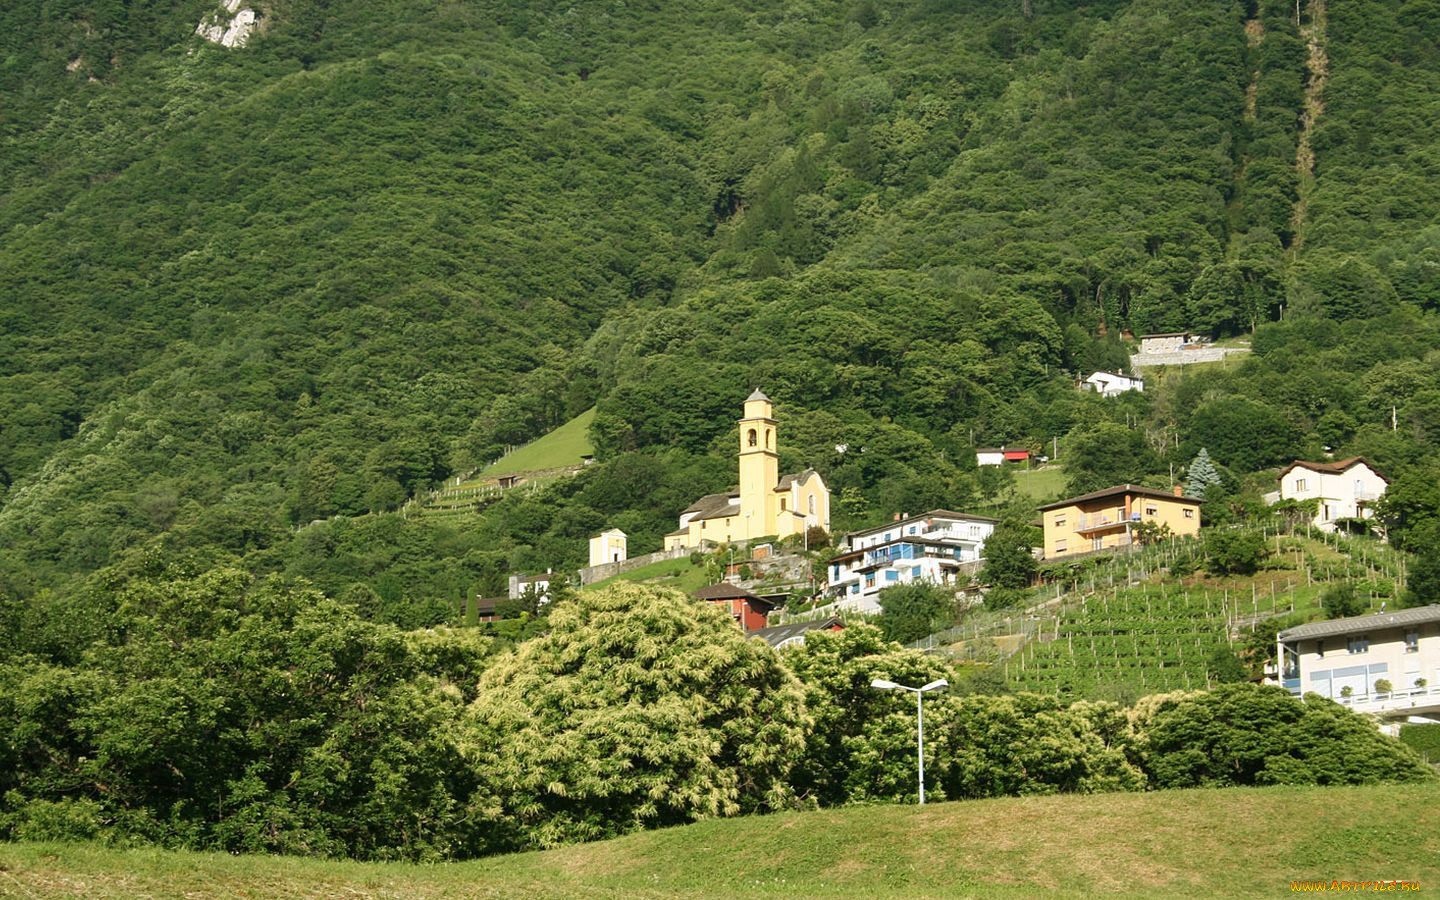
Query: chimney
[
  {"x": 897, "y": 518},
  {"x": 1179, "y": 491}
]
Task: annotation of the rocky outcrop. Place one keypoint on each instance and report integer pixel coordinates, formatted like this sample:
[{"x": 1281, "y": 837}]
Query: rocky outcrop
[{"x": 230, "y": 26}]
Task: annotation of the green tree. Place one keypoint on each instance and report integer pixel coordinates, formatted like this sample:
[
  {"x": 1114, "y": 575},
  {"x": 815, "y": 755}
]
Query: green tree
[
  {"x": 1231, "y": 551},
  {"x": 1201, "y": 474},
  {"x": 1342, "y": 601},
  {"x": 909, "y": 612},
  {"x": 1106, "y": 454},
  {"x": 857, "y": 749},
  {"x": 1244, "y": 734},
  {"x": 639, "y": 708},
  {"x": 1009, "y": 559}
]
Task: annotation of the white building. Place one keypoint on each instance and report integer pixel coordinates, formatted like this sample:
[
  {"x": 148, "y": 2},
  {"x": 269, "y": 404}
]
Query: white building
[
  {"x": 1386, "y": 664},
  {"x": 540, "y": 584},
  {"x": 990, "y": 456},
  {"x": 1112, "y": 384},
  {"x": 608, "y": 547},
  {"x": 933, "y": 547},
  {"x": 1167, "y": 342},
  {"x": 1346, "y": 489}
]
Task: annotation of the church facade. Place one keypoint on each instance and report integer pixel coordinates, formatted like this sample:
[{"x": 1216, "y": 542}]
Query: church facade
[{"x": 765, "y": 504}]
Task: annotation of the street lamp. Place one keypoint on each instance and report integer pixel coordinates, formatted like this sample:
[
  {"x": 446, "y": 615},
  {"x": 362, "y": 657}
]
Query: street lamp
[{"x": 938, "y": 684}]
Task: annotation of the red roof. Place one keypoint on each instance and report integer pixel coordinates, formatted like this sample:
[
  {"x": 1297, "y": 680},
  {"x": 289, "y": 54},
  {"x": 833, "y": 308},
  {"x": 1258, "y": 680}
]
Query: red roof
[{"x": 1017, "y": 454}]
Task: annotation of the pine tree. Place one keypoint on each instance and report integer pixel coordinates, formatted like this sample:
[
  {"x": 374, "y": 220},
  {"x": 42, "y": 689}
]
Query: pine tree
[{"x": 1202, "y": 474}]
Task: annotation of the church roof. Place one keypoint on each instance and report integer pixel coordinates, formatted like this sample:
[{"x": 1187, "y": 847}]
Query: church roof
[
  {"x": 708, "y": 502},
  {"x": 758, "y": 395},
  {"x": 787, "y": 480}
]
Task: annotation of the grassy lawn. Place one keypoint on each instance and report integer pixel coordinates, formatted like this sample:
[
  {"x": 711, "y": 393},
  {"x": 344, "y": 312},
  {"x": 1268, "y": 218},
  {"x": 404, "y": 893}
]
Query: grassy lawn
[
  {"x": 1234, "y": 842},
  {"x": 1042, "y": 485},
  {"x": 562, "y": 447},
  {"x": 675, "y": 573}
]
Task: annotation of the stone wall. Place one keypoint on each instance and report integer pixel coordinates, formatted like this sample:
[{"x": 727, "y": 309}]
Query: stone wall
[
  {"x": 592, "y": 574},
  {"x": 1184, "y": 357}
]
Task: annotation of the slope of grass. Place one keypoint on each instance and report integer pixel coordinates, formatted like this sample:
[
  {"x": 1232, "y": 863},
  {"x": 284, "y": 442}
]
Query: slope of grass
[
  {"x": 565, "y": 446},
  {"x": 1042, "y": 485},
  {"x": 680, "y": 574},
  {"x": 1234, "y": 842}
]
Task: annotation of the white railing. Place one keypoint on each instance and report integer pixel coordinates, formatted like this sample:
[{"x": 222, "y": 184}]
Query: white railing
[{"x": 1405, "y": 698}]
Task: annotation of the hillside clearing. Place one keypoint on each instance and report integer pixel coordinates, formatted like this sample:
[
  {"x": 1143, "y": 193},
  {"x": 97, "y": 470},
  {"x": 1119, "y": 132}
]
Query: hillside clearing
[
  {"x": 565, "y": 446},
  {"x": 1239, "y": 841}
]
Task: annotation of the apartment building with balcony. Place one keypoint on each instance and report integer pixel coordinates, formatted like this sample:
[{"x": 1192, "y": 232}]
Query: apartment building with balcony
[
  {"x": 1106, "y": 519},
  {"x": 941, "y": 547},
  {"x": 1385, "y": 664},
  {"x": 1346, "y": 489}
]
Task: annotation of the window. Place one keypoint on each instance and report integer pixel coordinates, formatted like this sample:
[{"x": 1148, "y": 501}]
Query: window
[
  {"x": 854, "y": 588},
  {"x": 912, "y": 529},
  {"x": 751, "y": 437},
  {"x": 1059, "y": 521},
  {"x": 887, "y": 537},
  {"x": 782, "y": 504},
  {"x": 768, "y": 442},
  {"x": 1412, "y": 641},
  {"x": 1059, "y": 546},
  {"x": 892, "y": 575},
  {"x": 812, "y": 504},
  {"x": 1150, "y": 511},
  {"x": 1189, "y": 513},
  {"x": 1299, "y": 484},
  {"x": 1358, "y": 643},
  {"x": 870, "y": 580},
  {"x": 915, "y": 572}
]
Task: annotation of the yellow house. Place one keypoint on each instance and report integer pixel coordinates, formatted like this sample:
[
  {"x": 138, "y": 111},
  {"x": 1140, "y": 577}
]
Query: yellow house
[
  {"x": 1102, "y": 520},
  {"x": 765, "y": 503}
]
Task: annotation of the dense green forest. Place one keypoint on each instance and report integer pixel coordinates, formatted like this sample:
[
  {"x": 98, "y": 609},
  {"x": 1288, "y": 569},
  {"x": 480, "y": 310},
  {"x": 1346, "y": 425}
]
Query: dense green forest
[
  {"x": 256, "y": 299},
  {"x": 248, "y": 289}
]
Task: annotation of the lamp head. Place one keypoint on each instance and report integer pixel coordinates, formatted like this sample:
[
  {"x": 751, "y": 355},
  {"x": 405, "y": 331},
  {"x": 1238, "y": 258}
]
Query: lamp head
[
  {"x": 883, "y": 685},
  {"x": 935, "y": 685}
]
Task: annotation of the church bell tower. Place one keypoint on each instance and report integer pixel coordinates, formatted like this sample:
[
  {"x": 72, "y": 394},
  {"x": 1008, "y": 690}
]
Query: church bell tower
[{"x": 759, "y": 466}]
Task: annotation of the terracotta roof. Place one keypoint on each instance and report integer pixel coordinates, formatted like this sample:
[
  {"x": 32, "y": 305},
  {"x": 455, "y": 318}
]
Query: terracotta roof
[
  {"x": 1339, "y": 467},
  {"x": 1418, "y": 616},
  {"x": 1120, "y": 489}
]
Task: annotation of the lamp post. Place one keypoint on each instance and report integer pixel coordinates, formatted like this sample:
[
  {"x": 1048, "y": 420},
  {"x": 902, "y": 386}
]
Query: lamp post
[{"x": 882, "y": 684}]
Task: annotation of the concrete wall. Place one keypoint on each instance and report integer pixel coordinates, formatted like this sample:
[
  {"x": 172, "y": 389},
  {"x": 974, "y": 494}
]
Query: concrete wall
[{"x": 1184, "y": 357}]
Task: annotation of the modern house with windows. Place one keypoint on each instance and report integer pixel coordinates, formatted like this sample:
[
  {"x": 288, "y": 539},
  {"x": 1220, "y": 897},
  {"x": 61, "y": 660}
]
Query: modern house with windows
[
  {"x": 1104, "y": 520},
  {"x": 1387, "y": 664},
  {"x": 1112, "y": 384},
  {"x": 1347, "y": 489},
  {"x": 939, "y": 547}
]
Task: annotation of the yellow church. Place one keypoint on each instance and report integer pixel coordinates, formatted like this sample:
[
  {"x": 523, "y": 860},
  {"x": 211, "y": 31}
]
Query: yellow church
[{"x": 765, "y": 503}]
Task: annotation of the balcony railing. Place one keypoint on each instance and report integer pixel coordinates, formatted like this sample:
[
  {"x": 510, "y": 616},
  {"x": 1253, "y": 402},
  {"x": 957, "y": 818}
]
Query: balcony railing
[
  {"x": 1110, "y": 518},
  {"x": 1403, "y": 699}
]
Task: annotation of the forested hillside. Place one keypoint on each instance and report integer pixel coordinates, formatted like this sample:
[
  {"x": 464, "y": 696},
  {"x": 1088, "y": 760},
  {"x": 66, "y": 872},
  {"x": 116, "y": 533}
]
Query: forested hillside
[{"x": 248, "y": 289}]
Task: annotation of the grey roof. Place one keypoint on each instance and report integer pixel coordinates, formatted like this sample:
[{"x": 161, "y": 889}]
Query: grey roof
[
  {"x": 932, "y": 514},
  {"x": 775, "y": 635},
  {"x": 787, "y": 480},
  {"x": 758, "y": 395},
  {"x": 1354, "y": 624},
  {"x": 1118, "y": 489},
  {"x": 709, "y": 502}
]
